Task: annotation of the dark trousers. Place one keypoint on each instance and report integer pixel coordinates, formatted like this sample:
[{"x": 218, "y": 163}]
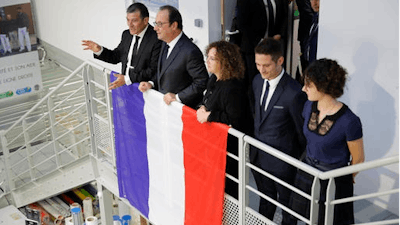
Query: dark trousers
[
  {"x": 277, "y": 192},
  {"x": 232, "y": 167},
  {"x": 343, "y": 213}
]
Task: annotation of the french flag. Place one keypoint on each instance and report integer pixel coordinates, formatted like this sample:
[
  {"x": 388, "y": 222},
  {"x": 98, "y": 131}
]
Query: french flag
[{"x": 170, "y": 167}]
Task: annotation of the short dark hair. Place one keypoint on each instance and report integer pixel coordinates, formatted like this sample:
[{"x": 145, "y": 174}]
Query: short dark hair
[
  {"x": 328, "y": 76},
  {"x": 269, "y": 46},
  {"x": 144, "y": 12},
  {"x": 229, "y": 56},
  {"x": 174, "y": 15}
]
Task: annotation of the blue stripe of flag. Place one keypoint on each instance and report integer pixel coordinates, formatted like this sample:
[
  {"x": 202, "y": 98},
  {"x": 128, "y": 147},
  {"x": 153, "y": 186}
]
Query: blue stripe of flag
[{"x": 131, "y": 146}]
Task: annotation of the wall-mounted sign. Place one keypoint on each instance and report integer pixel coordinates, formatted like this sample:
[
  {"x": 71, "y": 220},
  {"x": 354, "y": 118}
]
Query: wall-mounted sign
[{"x": 20, "y": 72}]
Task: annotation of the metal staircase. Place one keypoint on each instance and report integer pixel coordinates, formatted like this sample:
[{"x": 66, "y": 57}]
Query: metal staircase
[{"x": 49, "y": 149}]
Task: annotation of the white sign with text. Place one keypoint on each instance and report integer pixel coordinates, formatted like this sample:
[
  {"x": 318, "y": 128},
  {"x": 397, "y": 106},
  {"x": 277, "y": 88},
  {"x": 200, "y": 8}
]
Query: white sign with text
[{"x": 20, "y": 75}]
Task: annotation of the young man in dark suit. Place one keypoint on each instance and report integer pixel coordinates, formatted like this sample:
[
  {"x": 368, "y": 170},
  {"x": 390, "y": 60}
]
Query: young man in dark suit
[
  {"x": 278, "y": 123},
  {"x": 181, "y": 73},
  {"x": 138, "y": 50}
]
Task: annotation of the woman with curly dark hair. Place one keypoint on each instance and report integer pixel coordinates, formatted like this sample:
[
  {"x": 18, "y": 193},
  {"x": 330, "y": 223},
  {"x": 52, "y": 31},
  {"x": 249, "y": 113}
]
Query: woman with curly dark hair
[
  {"x": 334, "y": 138},
  {"x": 225, "y": 99}
]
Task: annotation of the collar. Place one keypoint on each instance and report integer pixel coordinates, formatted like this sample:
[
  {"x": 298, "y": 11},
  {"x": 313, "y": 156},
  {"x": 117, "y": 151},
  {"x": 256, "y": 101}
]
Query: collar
[
  {"x": 173, "y": 42},
  {"x": 274, "y": 82},
  {"x": 141, "y": 34}
]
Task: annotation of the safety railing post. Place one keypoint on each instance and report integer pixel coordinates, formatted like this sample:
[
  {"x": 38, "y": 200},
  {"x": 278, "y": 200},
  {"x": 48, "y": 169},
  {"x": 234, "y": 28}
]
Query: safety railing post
[
  {"x": 6, "y": 153},
  {"x": 90, "y": 108},
  {"x": 243, "y": 180},
  {"x": 110, "y": 116},
  {"x": 314, "y": 206},
  {"x": 330, "y": 196},
  {"x": 53, "y": 130},
  {"x": 28, "y": 150}
]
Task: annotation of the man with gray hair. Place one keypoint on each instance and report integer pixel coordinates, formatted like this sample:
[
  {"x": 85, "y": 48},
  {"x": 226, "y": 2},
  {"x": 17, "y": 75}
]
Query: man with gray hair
[{"x": 181, "y": 74}]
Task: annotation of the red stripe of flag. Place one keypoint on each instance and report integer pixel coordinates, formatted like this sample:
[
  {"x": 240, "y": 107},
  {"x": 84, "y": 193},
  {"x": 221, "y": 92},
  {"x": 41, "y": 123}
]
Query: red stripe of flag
[{"x": 204, "y": 160}]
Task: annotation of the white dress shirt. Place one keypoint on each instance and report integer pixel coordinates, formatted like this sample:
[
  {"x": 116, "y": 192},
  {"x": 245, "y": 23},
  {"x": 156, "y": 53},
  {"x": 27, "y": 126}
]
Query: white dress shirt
[
  {"x": 128, "y": 65},
  {"x": 272, "y": 86}
]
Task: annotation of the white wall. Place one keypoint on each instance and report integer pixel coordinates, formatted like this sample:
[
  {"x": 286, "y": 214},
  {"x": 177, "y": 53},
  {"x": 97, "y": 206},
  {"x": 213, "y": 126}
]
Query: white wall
[
  {"x": 363, "y": 35},
  {"x": 65, "y": 23}
]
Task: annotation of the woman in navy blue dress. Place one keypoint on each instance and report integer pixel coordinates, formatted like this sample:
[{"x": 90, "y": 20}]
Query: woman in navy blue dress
[{"x": 334, "y": 138}]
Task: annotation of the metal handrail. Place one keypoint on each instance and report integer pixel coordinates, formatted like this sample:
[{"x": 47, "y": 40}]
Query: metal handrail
[
  {"x": 75, "y": 72},
  {"x": 282, "y": 156},
  {"x": 358, "y": 167}
]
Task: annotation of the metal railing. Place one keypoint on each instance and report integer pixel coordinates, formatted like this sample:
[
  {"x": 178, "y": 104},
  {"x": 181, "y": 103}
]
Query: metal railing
[
  {"x": 78, "y": 121},
  {"x": 57, "y": 130},
  {"x": 246, "y": 215}
]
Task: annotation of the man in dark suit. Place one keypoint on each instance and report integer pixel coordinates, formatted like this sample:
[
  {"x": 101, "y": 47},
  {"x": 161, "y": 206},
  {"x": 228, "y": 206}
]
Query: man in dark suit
[
  {"x": 278, "y": 123},
  {"x": 257, "y": 19},
  {"x": 138, "y": 50},
  {"x": 181, "y": 73},
  {"x": 305, "y": 22}
]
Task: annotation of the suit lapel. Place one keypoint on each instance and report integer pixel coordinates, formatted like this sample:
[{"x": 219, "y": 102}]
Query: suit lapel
[
  {"x": 257, "y": 97},
  {"x": 171, "y": 56},
  {"x": 159, "y": 59},
  {"x": 141, "y": 47},
  {"x": 275, "y": 97},
  {"x": 144, "y": 43},
  {"x": 127, "y": 44},
  {"x": 145, "y": 40}
]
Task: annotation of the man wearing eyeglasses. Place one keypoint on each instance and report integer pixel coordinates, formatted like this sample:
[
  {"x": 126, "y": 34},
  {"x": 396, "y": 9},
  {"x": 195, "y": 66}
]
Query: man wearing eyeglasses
[
  {"x": 181, "y": 73},
  {"x": 138, "y": 50}
]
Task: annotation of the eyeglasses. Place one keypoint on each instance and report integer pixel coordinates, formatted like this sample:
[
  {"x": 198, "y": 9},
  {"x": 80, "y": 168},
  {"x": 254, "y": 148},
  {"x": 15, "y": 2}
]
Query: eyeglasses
[
  {"x": 212, "y": 58},
  {"x": 159, "y": 24}
]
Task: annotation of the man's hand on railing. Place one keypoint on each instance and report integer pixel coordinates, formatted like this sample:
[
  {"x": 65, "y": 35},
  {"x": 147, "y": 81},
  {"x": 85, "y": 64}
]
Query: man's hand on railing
[
  {"x": 120, "y": 81},
  {"x": 90, "y": 45},
  {"x": 144, "y": 86}
]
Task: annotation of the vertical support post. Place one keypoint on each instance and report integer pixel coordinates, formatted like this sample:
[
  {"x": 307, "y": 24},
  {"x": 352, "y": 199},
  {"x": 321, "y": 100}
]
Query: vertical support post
[
  {"x": 110, "y": 117},
  {"x": 243, "y": 180},
  {"x": 72, "y": 139},
  {"x": 315, "y": 191},
  {"x": 330, "y": 196},
  {"x": 52, "y": 119},
  {"x": 106, "y": 204},
  {"x": 90, "y": 108},
  {"x": 289, "y": 44},
  {"x": 28, "y": 150},
  {"x": 222, "y": 19},
  {"x": 6, "y": 153}
]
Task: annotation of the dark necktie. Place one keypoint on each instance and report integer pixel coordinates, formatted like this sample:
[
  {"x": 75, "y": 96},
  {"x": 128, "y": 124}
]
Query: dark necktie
[
  {"x": 131, "y": 55},
  {"x": 164, "y": 56},
  {"x": 134, "y": 51},
  {"x": 264, "y": 99},
  {"x": 271, "y": 19}
]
